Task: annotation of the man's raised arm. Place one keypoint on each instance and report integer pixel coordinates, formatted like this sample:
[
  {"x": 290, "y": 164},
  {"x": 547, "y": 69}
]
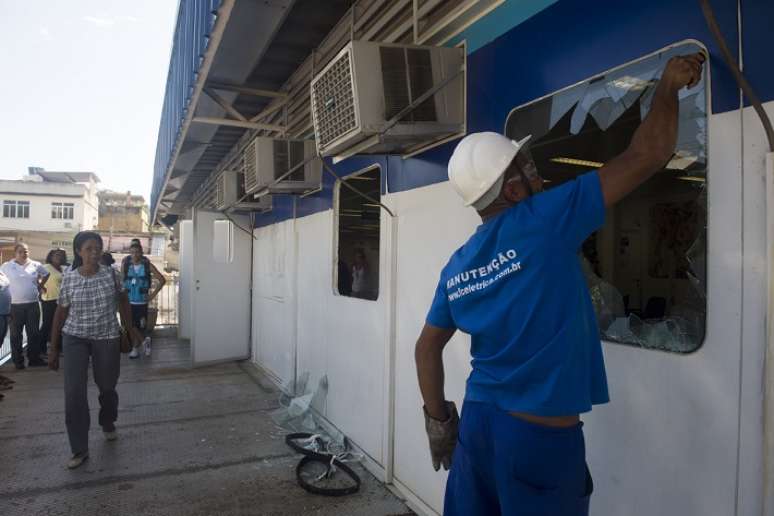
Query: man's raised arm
[{"x": 653, "y": 143}]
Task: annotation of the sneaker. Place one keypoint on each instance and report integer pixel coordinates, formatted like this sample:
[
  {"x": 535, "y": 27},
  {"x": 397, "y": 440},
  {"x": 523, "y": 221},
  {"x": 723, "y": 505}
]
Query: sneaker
[
  {"x": 110, "y": 435},
  {"x": 19, "y": 367},
  {"x": 134, "y": 353},
  {"x": 147, "y": 345},
  {"x": 77, "y": 460}
]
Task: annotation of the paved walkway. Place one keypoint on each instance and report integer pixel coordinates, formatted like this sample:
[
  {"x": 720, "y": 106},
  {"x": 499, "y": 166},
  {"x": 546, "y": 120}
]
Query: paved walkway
[{"x": 191, "y": 442}]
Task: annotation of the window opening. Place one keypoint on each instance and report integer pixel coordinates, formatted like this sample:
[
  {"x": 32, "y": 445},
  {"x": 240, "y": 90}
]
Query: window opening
[
  {"x": 358, "y": 235},
  {"x": 16, "y": 209},
  {"x": 62, "y": 210},
  {"x": 646, "y": 268}
]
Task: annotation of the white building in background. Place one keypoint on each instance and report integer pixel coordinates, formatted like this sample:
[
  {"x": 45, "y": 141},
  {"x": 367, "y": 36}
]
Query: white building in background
[{"x": 50, "y": 201}]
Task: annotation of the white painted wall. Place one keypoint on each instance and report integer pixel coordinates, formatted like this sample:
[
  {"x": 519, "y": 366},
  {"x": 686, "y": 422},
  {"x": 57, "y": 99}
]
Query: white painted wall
[
  {"x": 185, "y": 302},
  {"x": 666, "y": 444},
  {"x": 432, "y": 224},
  {"x": 341, "y": 337},
  {"x": 274, "y": 318}
]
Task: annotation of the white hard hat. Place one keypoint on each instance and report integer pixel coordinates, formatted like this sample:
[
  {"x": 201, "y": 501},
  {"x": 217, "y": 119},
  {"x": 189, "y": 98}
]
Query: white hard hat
[{"x": 477, "y": 166}]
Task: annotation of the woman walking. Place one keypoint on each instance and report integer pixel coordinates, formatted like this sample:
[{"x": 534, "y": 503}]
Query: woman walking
[
  {"x": 55, "y": 261},
  {"x": 85, "y": 324}
]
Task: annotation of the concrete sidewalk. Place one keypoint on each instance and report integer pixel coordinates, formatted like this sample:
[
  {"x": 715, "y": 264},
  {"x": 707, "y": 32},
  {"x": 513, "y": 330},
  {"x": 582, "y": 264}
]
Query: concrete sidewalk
[{"x": 191, "y": 442}]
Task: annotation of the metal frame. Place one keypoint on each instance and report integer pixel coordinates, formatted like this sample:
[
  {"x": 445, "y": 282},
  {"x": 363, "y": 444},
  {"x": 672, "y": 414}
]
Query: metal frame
[{"x": 289, "y": 113}]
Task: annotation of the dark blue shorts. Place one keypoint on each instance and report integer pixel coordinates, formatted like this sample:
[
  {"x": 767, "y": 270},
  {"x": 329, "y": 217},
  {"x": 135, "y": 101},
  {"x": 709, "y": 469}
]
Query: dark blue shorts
[{"x": 505, "y": 465}]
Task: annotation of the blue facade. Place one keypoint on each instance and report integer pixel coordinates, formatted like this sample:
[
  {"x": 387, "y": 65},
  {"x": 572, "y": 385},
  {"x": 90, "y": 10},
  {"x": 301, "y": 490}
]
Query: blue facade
[
  {"x": 562, "y": 44},
  {"x": 195, "y": 20}
]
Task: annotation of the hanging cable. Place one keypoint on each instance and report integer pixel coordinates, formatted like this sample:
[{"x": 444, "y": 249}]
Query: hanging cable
[
  {"x": 239, "y": 226},
  {"x": 361, "y": 194},
  {"x": 709, "y": 16}
]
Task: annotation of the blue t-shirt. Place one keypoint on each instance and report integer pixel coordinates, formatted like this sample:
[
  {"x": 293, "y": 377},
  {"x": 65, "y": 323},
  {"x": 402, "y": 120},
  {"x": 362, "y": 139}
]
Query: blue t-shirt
[{"x": 518, "y": 289}]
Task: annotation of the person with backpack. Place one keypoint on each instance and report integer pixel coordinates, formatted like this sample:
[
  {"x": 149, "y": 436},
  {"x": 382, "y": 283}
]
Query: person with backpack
[{"x": 138, "y": 274}]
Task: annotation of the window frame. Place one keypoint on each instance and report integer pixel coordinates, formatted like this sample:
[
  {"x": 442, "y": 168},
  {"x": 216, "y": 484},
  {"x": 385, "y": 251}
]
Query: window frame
[
  {"x": 60, "y": 210},
  {"x": 336, "y": 206},
  {"x": 16, "y": 209},
  {"x": 708, "y": 112}
]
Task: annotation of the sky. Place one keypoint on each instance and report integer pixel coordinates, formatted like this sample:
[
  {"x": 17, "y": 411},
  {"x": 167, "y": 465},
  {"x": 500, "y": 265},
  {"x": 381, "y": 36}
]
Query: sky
[{"x": 82, "y": 87}]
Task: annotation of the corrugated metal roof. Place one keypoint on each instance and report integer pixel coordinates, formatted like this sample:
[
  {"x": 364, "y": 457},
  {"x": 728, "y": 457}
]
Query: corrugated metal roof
[
  {"x": 195, "y": 21},
  {"x": 262, "y": 45}
]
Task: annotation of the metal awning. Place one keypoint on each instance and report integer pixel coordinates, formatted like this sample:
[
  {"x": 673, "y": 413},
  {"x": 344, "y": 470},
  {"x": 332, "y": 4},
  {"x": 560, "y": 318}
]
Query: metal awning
[
  {"x": 229, "y": 60},
  {"x": 252, "y": 75}
]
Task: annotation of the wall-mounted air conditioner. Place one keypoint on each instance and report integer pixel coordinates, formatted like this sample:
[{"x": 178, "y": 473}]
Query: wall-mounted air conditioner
[
  {"x": 267, "y": 162},
  {"x": 230, "y": 194},
  {"x": 355, "y": 97}
]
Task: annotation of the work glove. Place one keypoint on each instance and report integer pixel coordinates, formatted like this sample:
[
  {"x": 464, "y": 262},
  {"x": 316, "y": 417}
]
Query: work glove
[{"x": 443, "y": 436}]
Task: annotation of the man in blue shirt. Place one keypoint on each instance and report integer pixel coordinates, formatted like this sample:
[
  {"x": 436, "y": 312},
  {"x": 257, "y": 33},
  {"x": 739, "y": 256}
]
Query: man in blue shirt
[{"x": 517, "y": 287}]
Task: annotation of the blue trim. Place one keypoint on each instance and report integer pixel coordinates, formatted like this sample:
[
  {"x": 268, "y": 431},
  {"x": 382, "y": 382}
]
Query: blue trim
[
  {"x": 498, "y": 22},
  {"x": 323, "y": 200},
  {"x": 757, "y": 22}
]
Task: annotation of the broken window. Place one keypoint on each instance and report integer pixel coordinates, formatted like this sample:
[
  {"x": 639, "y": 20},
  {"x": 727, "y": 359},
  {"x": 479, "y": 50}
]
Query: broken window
[
  {"x": 356, "y": 269},
  {"x": 646, "y": 268}
]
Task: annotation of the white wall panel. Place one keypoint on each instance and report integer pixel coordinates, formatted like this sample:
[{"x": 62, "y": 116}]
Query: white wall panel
[
  {"x": 273, "y": 317},
  {"x": 185, "y": 302},
  {"x": 432, "y": 223},
  {"x": 315, "y": 292},
  {"x": 751, "y": 463},
  {"x": 342, "y": 337},
  {"x": 666, "y": 444}
]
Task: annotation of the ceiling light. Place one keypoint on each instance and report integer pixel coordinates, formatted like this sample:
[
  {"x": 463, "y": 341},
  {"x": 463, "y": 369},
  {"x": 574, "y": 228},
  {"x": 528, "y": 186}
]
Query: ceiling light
[
  {"x": 682, "y": 160},
  {"x": 696, "y": 179},
  {"x": 578, "y": 162},
  {"x": 630, "y": 83}
]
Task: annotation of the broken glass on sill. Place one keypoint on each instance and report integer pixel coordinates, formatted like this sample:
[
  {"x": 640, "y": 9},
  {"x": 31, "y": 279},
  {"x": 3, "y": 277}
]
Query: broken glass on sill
[{"x": 681, "y": 331}]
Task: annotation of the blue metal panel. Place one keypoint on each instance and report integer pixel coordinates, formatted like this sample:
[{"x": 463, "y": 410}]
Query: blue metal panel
[
  {"x": 323, "y": 200},
  {"x": 757, "y": 23},
  {"x": 195, "y": 20}
]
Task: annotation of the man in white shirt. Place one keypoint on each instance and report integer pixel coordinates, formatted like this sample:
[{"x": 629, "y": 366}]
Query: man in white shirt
[{"x": 27, "y": 279}]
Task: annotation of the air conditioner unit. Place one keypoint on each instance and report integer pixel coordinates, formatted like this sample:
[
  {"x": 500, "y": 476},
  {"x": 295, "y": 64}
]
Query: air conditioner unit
[
  {"x": 268, "y": 160},
  {"x": 230, "y": 194},
  {"x": 367, "y": 84}
]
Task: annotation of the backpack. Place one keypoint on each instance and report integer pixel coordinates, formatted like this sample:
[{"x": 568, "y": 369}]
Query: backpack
[{"x": 146, "y": 266}]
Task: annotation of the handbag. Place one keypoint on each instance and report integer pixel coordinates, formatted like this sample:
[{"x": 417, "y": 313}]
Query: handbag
[{"x": 124, "y": 339}]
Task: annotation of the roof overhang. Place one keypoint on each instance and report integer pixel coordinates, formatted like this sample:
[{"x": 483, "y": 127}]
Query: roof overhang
[{"x": 253, "y": 48}]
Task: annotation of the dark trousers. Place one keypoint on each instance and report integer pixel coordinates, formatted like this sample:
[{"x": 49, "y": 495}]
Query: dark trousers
[
  {"x": 48, "y": 308},
  {"x": 3, "y": 327},
  {"x": 25, "y": 316},
  {"x": 140, "y": 318},
  {"x": 106, "y": 365}
]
